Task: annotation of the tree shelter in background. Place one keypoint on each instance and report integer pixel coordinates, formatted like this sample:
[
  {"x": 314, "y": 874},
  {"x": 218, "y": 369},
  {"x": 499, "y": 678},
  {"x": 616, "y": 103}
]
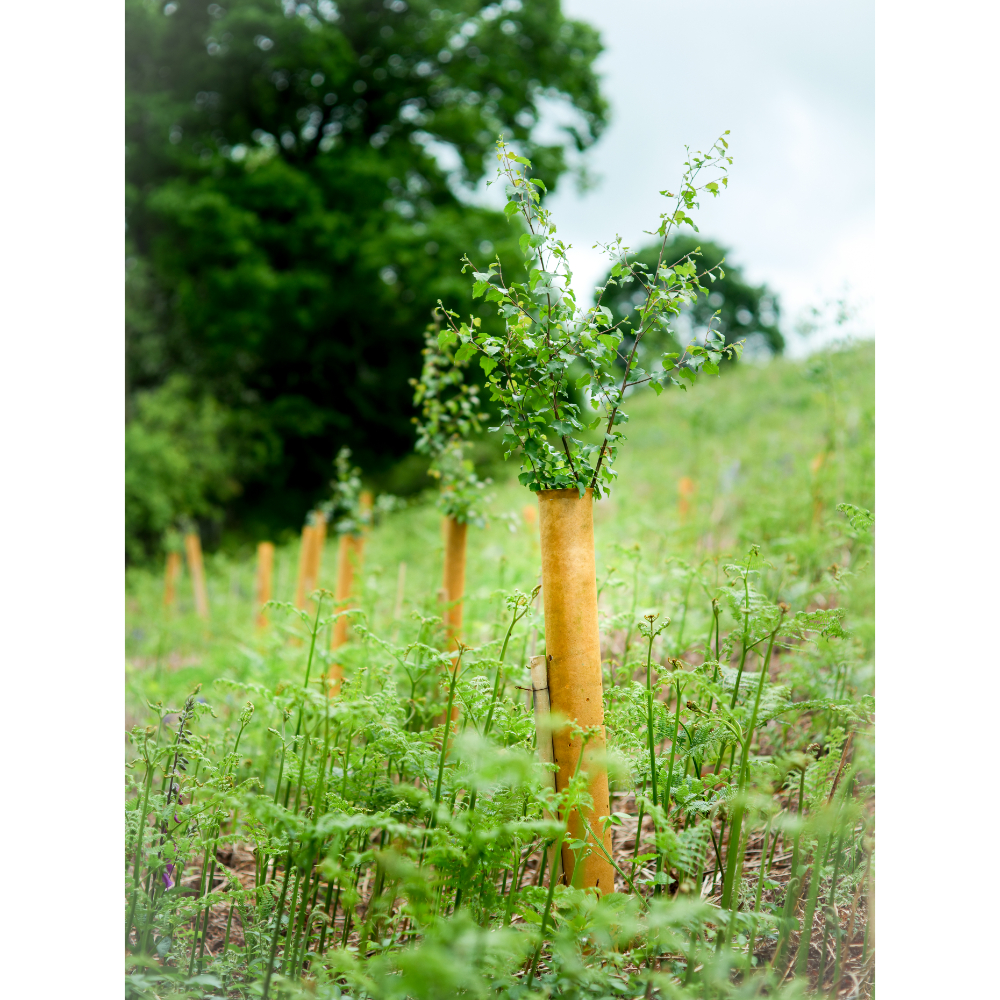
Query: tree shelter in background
[{"x": 449, "y": 417}]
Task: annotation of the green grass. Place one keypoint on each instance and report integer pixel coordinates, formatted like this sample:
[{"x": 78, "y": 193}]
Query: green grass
[{"x": 772, "y": 450}]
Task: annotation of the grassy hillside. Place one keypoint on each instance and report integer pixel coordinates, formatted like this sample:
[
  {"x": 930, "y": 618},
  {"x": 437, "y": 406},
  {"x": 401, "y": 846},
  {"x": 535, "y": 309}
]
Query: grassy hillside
[
  {"x": 354, "y": 846},
  {"x": 771, "y": 449}
]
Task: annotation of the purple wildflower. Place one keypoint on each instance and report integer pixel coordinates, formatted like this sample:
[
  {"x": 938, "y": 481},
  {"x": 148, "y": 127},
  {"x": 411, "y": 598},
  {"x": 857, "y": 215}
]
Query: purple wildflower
[{"x": 168, "y": 872}]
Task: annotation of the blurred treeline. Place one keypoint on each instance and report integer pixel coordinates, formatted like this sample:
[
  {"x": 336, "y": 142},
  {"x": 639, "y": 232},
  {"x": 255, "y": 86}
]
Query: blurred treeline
[
  {"x": 298, "y": 181},
  {"x": 299, "y": 194}
]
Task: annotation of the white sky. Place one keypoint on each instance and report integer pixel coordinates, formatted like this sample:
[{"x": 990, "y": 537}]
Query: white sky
[{"x": 794, "y": 83}]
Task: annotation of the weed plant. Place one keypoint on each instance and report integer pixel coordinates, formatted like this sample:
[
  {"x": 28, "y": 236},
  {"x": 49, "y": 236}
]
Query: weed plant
[{"x": 280, "y": 843}]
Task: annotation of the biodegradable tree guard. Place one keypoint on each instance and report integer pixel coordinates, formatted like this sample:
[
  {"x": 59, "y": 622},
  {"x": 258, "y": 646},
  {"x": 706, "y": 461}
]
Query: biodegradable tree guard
[
  {"x": 305, "y": 555},
  {"x": 548, "y": 422},
  {"x": 265, "y": 567},
  {"x": 573, "y": 659},
  {"x": 314, "y": 556},
  {"x": 365, "y": 503},
  {"x": 455, "y": 533},
  {"x": 686, "y": 490},
  {"x": 350, "y": 557},
  {"x": 448, "y": 406},
  {"x": 347, "y": 552},
  {"x": 192, "y": 549},
  {"x": 540, "y": 692},
  {"x": 530, "y": 514},
  {"x": 173, "y": 571}
]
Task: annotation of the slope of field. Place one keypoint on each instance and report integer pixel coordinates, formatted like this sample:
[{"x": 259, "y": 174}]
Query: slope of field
[
  {"x": 768, "y": 449},
  {"x": 283, "y": 840}
]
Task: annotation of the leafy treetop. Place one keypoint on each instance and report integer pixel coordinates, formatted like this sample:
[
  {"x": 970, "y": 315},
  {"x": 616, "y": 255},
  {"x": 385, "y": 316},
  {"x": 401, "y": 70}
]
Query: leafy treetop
[
  {"x": 344, "y": 510},
  {"x": 550, "y": 349},
  {"x": 294, "y": 183},
  {"x": 449, "y": 416}
]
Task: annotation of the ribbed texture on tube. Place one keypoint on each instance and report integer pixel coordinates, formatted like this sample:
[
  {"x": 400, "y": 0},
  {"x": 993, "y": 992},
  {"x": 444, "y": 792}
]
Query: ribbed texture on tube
[
  {"x": 305, "y": 555},
  {"x": 192, "y": 548},
  {"x": 345, "y": 583},
  {"x": 454, "y": 577},
  {"x": 265, "y": 566},
  {"x": 171, "y": 574},
  {"x": 350, "y": 557},
  {"x": 573, "y": 656}
]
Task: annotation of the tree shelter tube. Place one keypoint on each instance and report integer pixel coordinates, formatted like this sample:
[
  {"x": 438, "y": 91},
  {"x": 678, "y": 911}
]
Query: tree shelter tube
[
  {"x": 573, "y": 657},
  {"x": 265, "y": 567},
  {"x": 192, "y": 548},
  {"x": 453, "y": 586},
  {"x": 305, "y": 556},
  {"x": 350, "y": 556},
  {"x": 314, "y": 555},
  {"x": 346, "y": 559},
  {"x": 173, "y": 571}
]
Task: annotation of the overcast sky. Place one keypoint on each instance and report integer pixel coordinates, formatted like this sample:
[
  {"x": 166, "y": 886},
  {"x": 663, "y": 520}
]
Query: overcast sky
[{"x": 794, "y": 84}]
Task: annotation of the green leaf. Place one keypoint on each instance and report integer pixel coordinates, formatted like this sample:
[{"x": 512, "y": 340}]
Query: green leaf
[
  {"x": 861, "y": 519},
  {"x": 655, "y": 386},
  {"x": 488, "y": 364},
  {"x": 510, "y": 208},
  {"x": 446, "y": 338},
  {"x": 528, "y": 240},
  {"x": 479, "y": 287},
  {"x": 465, "y": 352}
]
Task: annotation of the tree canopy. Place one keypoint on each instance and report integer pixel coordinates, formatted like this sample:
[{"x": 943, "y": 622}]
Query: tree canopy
[{"x": 297, "y": 179}]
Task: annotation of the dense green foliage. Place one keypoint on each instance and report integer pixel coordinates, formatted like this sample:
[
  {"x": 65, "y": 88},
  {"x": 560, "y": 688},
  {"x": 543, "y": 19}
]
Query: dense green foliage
[
  {"x": 184, "y": 458},
  {"x": 294, "y": 204},
  {"x": 403, "y": 838},
  {"x": 745, "y": 312},
  {"x": 449, "y": 417},
  {"x": 550, "y": 348}
]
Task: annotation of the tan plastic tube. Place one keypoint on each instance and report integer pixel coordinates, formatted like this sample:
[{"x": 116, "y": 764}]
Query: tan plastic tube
[
  {"x": 265, "y": 568},
  {"x": 315, "y": 555},
  {"x": 686, "y": 490},
  {"x": 365, "y": 503},
  {"x": 192, "y": 548},
  {"x": 346, "y": 559},
  {"x": 173, "y": 571},
  {"x": 543, "y": 729},
  {"x": 350, "y": 556},
  {"x": 305, "y": 556},
  {"x": 453, "y": 589},
  {"x": 815, "y": 467},
  {"x": 573, "y": 656},
  {"x": 530, "y": 515}
]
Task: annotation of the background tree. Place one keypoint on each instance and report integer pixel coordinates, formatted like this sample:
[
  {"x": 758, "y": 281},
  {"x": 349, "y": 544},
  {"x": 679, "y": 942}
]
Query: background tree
[
  {"x": 746, "y": 311},
  {"x": 295, "y": 206},
  {"x": 183, "y": 459}
]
